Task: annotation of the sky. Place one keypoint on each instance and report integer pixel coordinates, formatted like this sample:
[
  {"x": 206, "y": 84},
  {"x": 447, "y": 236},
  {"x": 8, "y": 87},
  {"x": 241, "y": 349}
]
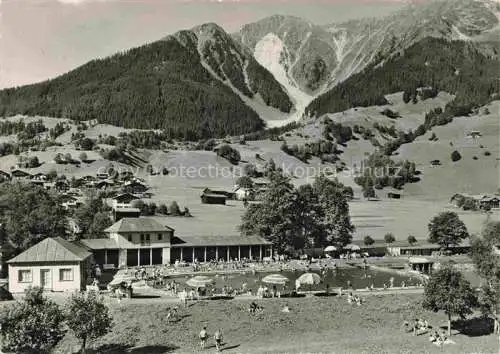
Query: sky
[{"x": 40, "y": 39}]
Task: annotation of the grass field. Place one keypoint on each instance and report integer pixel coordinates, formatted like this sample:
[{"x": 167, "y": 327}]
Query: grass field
[{"x": 314, "y": 325}]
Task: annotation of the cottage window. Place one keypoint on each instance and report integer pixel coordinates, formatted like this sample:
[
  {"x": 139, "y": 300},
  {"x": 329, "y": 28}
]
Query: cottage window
[
  {"x": 65, "y": 274},
  {"x": 129, "y": 238},
  {"x": 160, "y": 237},
  {"x": 147, "y": 238},
  {"x": 25, "y": 276}
]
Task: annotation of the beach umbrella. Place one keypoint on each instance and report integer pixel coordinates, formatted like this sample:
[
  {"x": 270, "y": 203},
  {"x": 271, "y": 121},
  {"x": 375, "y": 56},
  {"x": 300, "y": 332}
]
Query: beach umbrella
[
  {"x": 330, "y": 249},
  {"x": 309, "y": 279},
  {"x": 199, "y": 281},
  {"x": 352, "y": 247},
  {"x": 275, "y": 279}
]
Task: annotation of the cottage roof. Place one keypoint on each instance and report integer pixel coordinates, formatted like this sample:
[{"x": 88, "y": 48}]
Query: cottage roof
[
  {"x": 125, "y": 196},
  {"x": 214, "y": 195},
  {"x": 52, "y": 249},
  {"x": 217, "y": 240},
  {"x": 137, "y": 225},
  {"x": 99, "y": 243},
  {"x": 419, "y": 260}
]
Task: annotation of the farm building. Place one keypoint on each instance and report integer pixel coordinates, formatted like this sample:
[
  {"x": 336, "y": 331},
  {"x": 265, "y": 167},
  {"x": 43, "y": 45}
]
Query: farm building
[
  {"x": 20, "y": 175},
  {"x": 121, "y": 212},
  {"x": 393, "y": 195},
  {"x": 53, "y": 264},
  {"x": 123, "y": 200},
  {"x": 480, "y": 201}
]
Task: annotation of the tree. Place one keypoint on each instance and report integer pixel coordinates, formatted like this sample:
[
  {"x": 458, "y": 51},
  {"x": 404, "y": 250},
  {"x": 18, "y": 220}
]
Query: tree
[
  {"x": 446, "y": 229},
  {"x": 149, "y": 169},
  {"x": 369, "y": 192},
  {"x": 68, "y": 157},
  {"x": 174, "y": 209},
  {"x": 86, "y": 144},
  {"x": 92, "y": 216},
  {"x": 412, "y": 240},
  {"x": 487, "y": 264},
  {"x": 447, "y": 290},
  {"x": 88, "y": 317},
  {"x": 250, "y": 170},
  {"x": 52, "y": 175},
  {"x": 33, "y": 325},
  {"x": 455, "y": 156},
  {"x": 227, "y": 152},
  {"x": 30, "y": 214},
  {"x": 389, "y": 238},
  {"x": 162, "y": 209},
  {"x": 59, "y": 159},
  {"x": 83, "y": 157},
  {"x": 33, "y": 162},
  {"x": 368, "y": 241},
  {"x": 244, "y": 182}
]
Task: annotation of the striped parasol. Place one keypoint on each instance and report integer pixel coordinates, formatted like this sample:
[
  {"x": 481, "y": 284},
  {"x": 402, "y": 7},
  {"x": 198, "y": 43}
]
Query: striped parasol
[
  {"x": 199, "y": 281},
  {"x": 309, "y": 279},
  {"x": 275, "y": 279}
]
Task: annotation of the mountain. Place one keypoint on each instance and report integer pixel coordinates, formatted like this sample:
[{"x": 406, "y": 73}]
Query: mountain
[
  {"x": 315, "y": 58},
  {"x": 194, "y": 84},
  {"x": 204, "y": 82}
]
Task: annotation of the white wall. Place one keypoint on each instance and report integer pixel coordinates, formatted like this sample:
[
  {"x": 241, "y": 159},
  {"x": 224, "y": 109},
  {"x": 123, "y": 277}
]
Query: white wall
[{"x": 55, "y": 284}]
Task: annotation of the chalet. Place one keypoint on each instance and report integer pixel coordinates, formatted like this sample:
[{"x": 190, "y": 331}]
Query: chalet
[
  {"x": 481, "y": 201},
  {"x": 125, "y": 212},
  {"x": 244, "y": 193},
  {"x": 102, "y": 175},
  {"x": 61, "y": 186},
  {"x": 103, "y": 184},
  {"x": 39, "y": 177},
  {"x": 260, "y": 183},
  {"x": 4, "y": 176},
  {"x": 20, "y": 175},
  {"x": 474, "y": 134},
  {"x": 123, "y": 200},
  {"x": 134, "y": 187},
  {"x": 393, "y": 195},
  {"x": 70, "y": 202},
  {"x": 228, "y": 195},
  {"x": 53, "y": 264},
  {"x": 213, "y": 198}
]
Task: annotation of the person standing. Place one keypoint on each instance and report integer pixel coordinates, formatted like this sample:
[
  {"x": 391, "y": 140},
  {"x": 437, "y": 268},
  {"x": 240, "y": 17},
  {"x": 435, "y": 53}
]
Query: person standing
[
  {"x": 218, "y": 339},
  {"x": 203, "y": 337}
]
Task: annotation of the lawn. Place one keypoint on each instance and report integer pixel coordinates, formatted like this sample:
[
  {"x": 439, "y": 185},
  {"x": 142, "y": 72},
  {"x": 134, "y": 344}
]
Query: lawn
[{"x": 313, "y": 325}]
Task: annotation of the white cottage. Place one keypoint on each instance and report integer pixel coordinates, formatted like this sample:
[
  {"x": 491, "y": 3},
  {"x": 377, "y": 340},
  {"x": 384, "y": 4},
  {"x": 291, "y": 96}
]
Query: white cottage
[{"x": 53, "y": 264}]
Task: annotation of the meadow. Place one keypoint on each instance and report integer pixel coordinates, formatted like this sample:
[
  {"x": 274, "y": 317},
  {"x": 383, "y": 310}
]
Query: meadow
[{"x": 314, "y": 325}]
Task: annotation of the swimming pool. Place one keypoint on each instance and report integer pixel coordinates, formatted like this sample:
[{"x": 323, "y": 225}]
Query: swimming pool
[{"x": 358, "y": 278}]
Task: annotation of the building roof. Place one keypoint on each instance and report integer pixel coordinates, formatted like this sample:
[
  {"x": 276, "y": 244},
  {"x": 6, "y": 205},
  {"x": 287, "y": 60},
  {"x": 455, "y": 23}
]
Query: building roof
[
  {"x": 221, "y": 240},
  {"x": 214, "y": 195},
  {"x": 52, "y": 249},
  {"x": 419, "y": 260},
  {"x": 99, "y": 243},
  {"x": 125, "y": 196},
  {"x": 137, "y": 225},
  {"x": 127, "y": 210}
]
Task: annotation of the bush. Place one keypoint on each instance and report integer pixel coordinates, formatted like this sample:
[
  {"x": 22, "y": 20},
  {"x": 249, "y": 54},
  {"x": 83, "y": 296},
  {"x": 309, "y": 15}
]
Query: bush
[
  {"x": 412, "y": 240},
  {"x": 33, "y": 325},
  {"x": 487, "y": 153},
  {"x": 227, "y": 152},
  {"x": 389, "y": 238},
  {"x": 174, "y": 209},
  {"x": 368, "y": 241},
  {"x": 162, "y": 209},
  {"x": 474, "y": 157},
  {"x": 455, "y": 156}
]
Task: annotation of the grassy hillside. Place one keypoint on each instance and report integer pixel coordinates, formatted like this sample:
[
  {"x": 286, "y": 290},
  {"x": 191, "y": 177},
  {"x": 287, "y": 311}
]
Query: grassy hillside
[
  {"x": 160, "y": 86},
  {"x": 457, "y": 67}
]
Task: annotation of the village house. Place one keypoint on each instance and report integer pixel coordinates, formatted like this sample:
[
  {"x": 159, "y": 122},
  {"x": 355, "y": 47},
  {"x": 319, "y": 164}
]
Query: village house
[
  {"x": 53, "y": 264},
  {"x": 20, "y": 175},
  {"x": 480, "y": 201},
  {"x": 242, "y": 193},
  {"x": 134, "y": 187},
  {"x": 4, "y": 176},
  {"x": 123, "y": 200},
  {"x": 209, "y": 197}
]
